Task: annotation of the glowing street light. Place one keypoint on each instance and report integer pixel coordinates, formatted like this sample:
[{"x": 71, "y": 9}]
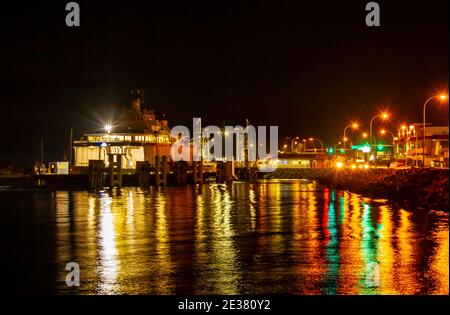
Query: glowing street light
[
  {"x": 364, "y": 135},
  {"x": 320, "y": 141},
  {"x": 384, "y": 116},
  {"x": 384, "y": 131},
  {"x": 108, "y": 128},
  {"x": 442, "y": 97},
  {"x": 293, "y": 141},
  {"x": 354, "y": 126}
]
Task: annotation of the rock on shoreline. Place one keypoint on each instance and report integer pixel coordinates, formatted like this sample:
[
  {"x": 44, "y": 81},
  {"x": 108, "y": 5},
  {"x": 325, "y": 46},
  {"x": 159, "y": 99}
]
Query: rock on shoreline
[{"x": 410, "y": 188}]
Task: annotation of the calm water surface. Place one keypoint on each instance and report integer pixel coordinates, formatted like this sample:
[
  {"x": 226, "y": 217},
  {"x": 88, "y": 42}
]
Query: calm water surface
[{"x": 279, "y": 236}]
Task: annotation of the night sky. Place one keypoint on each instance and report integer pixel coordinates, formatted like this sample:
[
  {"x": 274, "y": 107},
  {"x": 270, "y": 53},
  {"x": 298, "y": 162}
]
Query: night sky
[{"x": 308, "y": 67}]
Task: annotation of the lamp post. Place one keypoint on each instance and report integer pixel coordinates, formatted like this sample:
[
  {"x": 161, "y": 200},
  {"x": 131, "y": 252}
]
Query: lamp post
[
  {"x": 383, "y": 132},
  {"x": 353, "y": 125},
  {"x": 320, "y": 141},
  {"x": 292, "y": 142},
  {"x": 383, "y": 115},
  {"x": 442, "y": 97}
]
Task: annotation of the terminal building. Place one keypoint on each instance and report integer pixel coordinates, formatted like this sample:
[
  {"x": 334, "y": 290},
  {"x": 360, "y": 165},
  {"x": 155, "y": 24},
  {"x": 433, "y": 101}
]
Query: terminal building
[
  {"x": 138, "y": 136},
  {"x": 411, "y": 146}
]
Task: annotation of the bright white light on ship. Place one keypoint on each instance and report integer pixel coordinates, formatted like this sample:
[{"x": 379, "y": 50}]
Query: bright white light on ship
[{"x": 108, "y": 128}]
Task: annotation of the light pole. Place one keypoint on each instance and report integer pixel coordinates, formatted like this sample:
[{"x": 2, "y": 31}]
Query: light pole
[
  {"x": 353, "y": 125},
  {"x": 292, "y": 142},
  {"x": 383, "y": 132},
  {"x": 384, "y": 115},
  {"x": 442, "y": 97},
  {"x": 320, "y": 141}
]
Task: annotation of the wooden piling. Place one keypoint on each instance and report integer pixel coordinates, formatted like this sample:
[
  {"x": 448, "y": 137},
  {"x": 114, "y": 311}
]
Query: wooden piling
[
  {"x": 143, "y": 173},
  {"x": 115, "y": 171},
  {"x": 161, "y": 170},
  {"x": 180, "y": 172},
  {"x": 95, "y": 174}
]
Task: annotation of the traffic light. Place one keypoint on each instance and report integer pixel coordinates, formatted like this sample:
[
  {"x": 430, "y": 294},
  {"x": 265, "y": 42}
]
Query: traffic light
[
  {"x": 380, "y": 147},
  {"x": 330, "y": 150}
]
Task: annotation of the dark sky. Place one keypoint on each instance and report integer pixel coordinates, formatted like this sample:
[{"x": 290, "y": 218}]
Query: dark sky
[{"x": 307, "y": 66}]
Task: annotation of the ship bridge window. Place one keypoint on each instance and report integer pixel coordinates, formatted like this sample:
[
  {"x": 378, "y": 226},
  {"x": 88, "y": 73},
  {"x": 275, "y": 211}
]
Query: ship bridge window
[
  {"x": 94, "y": 138},
  {"x": 163, "y": 138}
]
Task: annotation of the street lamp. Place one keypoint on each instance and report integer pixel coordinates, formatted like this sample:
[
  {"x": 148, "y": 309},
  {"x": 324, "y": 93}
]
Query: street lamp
[
  {"x": 442, "y": 98},
  {"x": 292, "y": 142},
  {"x": 320, "y": 141},
  {"x": 353, "y": 125},
  {"x": 108, "y": 128},
  {"x": 384, "y": 131},
  {"x": 384, "y": 116}
]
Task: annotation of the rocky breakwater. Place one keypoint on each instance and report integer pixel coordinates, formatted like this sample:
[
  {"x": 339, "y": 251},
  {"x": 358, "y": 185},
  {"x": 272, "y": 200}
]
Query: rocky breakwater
[
  {"x": 409, "y": 188},
  {"x": 413, "y": 188}
]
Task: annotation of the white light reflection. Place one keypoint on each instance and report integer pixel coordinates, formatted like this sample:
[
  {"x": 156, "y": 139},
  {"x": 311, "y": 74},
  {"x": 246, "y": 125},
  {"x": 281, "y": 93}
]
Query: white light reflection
[{"x": 108, "y": 252}]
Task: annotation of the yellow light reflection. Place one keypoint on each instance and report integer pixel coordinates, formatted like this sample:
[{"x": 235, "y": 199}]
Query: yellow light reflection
[{"x": 108, "y": 252}]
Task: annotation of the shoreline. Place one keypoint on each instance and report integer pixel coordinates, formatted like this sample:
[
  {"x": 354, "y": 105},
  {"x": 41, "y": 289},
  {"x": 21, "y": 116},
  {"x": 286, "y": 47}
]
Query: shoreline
[
  {"x": 410, "y": 188},
  {"x": 414, "y": 188}
]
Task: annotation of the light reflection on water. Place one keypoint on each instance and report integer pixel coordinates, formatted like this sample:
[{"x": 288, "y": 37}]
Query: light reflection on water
[{"x": 270, "y": 237}]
